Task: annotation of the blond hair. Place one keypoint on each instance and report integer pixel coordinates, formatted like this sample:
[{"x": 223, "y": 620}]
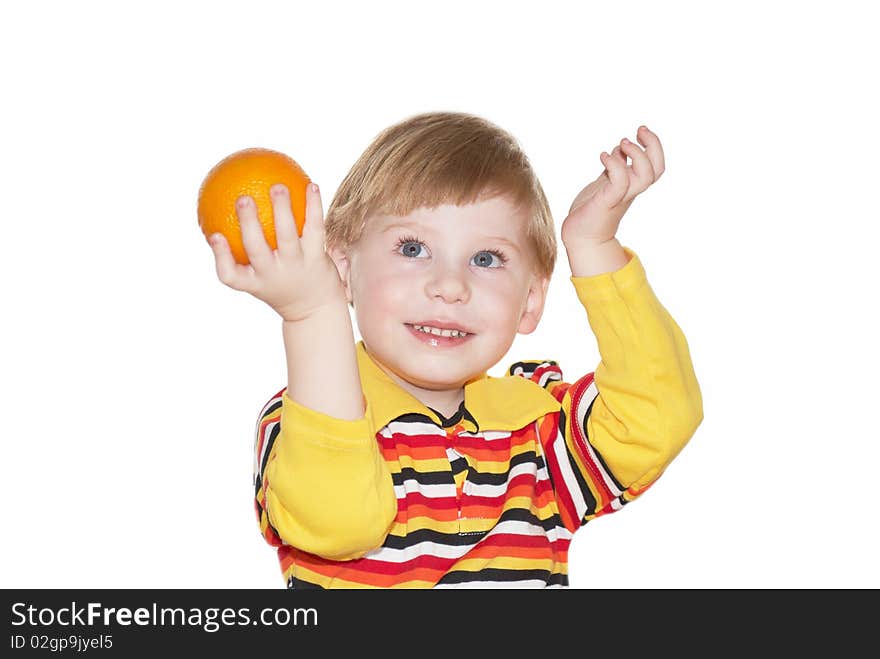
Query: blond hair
[{"x": 439, "y": 158}]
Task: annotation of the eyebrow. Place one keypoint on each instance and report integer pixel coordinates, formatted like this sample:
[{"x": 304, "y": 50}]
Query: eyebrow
[{"x": 414, "y": 226}]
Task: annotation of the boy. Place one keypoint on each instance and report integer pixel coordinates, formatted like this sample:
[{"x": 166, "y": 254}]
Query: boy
[{"x": 396, "y": 461}]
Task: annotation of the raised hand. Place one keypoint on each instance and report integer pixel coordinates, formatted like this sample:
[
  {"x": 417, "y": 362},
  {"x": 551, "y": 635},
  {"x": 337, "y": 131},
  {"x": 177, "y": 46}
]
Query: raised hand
[
  {"x": 595, "y": 214},
  {"x": 298, "y": 277}
]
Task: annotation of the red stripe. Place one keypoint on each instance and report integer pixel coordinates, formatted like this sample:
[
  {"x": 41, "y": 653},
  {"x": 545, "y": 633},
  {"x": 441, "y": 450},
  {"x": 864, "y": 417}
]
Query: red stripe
[
  {"x": 436, "y": 503},
  {"x": 564, "y": 501},
  {"x": 559, "y": 389},
  {"x": 370, "y": 565},
  {"x": 411, "y": 441},
  {"x": 581, "y": 442}
]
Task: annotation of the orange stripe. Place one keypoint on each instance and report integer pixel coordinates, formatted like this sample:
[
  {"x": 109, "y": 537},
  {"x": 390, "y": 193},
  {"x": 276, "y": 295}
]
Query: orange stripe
[{"x": 438, "y": 514}]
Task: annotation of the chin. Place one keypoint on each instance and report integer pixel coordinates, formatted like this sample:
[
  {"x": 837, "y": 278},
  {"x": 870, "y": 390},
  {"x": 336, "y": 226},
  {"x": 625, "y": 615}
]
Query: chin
[
  {"x": 441, "y": 370},
  {"x": 436, "y": 380}
]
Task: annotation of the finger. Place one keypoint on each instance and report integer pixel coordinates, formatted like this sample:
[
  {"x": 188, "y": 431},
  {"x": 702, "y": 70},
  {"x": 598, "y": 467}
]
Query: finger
[
  {"x": 619, "y": 181},
  {"x": 286, "y": 236},
  {"x": 641, "y": 166},
  {"x": 258, "y": 251},
  {"x": 229, "y": 271},
  {"x": 653, "y": 148},
  {"x": 313, "y": 229},
  {"x": 617, "y": 153}
]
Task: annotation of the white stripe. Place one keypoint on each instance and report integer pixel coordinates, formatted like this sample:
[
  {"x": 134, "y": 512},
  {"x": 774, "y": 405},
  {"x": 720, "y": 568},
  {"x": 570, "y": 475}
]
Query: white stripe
[
  {"x": 259, "y": 459},
  {"x": 571, "y": 484},
  {"x": 427, "y": 548},
  {"x": 436, "y": 491},
  {"x": 440, "y": 550},
  {"x": 549, "y": 375},
  {"x": 488, "y": 435},
  {"x": 441, "y": 490},
  {"x": 411, "y": 428},
  {"x": 580, "y": 414}
]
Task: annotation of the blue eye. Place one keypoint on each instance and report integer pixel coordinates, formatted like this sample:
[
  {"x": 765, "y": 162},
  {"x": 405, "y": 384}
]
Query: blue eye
[
  {"x": 412, "y": 248},
  {"x": 488, "y": 258}
]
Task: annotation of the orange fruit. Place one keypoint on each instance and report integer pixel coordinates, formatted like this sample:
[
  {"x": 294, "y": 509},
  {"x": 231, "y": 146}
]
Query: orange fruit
[{"x": 249, "y": 172}]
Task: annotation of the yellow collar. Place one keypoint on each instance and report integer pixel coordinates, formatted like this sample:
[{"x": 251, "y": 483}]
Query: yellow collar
[{"x": 506, "y": 403}]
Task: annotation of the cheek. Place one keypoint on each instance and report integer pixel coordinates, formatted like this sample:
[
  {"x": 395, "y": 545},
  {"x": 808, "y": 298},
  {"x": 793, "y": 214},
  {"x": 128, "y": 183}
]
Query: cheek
[
  {"x": 500, "y": 301},
  {"x": 381, "y": 291}
]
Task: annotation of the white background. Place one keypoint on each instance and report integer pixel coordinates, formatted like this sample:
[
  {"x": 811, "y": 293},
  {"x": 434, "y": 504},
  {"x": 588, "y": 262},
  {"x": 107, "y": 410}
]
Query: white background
[{"x": 131, "y": 377}]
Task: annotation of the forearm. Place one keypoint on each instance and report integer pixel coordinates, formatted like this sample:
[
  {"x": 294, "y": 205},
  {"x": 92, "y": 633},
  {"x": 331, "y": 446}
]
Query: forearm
[
  {"x": 648, "y": 402},
  {"x": 328, "y": 489},
  {"x": 322, "y": 370}
]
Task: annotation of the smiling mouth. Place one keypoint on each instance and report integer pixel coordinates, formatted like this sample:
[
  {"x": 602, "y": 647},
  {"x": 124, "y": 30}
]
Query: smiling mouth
[
  {"x": 439, "y": 331},
  {"x": 439, "y": 337}
]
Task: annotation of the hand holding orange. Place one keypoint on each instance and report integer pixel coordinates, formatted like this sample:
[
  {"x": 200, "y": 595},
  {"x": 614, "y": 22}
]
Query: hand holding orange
[{"x": 249, "y": 172}]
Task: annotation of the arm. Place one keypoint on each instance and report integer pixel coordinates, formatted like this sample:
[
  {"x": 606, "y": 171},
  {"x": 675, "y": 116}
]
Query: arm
[
  {"x": 645, "y": 403},
  {"x": 622, "y": 425},
  {"x": 326, "y": 487},
  {"x": 322, "y": 484},
  {"x": 629, "y": 419},
  {"x": 322, "y": 370}
]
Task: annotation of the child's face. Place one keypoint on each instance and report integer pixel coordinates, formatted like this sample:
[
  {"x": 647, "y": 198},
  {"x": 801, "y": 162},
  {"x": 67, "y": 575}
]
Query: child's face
[{"x": 467, "y": 268}]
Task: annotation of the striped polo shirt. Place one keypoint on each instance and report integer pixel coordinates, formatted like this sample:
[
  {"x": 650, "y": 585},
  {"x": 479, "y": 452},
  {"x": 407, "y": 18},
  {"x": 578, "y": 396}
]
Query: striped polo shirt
[{"x": 492, "y": 495}]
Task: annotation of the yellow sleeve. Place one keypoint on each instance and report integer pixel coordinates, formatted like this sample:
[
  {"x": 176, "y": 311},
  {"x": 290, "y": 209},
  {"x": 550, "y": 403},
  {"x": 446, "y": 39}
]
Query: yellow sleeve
[
  {"x": 648, "y": 403},
  {"x": 326, "y": 486}
]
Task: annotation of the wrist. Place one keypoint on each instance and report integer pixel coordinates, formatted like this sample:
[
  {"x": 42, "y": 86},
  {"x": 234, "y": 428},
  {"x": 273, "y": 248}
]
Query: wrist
[
  {"x": 591, "y": 258},
  {"x": 330, "y": 307}
]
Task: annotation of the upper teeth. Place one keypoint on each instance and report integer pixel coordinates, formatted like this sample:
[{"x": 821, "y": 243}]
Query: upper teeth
[{"x": 439, "y": 332}]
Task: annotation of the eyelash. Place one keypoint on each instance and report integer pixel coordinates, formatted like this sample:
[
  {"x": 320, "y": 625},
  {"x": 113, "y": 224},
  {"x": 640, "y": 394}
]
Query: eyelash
[{"x": 412, "y": 239}]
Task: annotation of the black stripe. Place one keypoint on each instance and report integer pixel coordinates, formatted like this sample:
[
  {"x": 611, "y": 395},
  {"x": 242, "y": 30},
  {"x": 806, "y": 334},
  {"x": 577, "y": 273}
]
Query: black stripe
[
  {"x": 421, "y": 477},
  {"x": 258, "y": 477},
  {"x": 451, "y": 421},
  {"x": 414, "y": 417},
  {"x": 459, "y": 465},
  {"x": 584, "y": 488},
  {"x": 270, "y": 441},
  {"x": 596, "y": 451},
  {"x": 530, "y": 366},
  {"x": 586, "y": 493},
  {"x": 459, "y": 577},
  {"x": 443, "y": 477},
  {"x": 527, "y": 457},
  {"x": 274, "y": 406},
  {"x": 504, "y": 576},
  {"x": 298, "y": 584},
  {"x": 553, "y": 523},
  {"x": 430, "y": 535}
]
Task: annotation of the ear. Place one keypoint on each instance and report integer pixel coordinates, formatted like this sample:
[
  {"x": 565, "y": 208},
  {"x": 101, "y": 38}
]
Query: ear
[
  {"x": 343, "y": 266},
  {"x": 534, "y": 306}
]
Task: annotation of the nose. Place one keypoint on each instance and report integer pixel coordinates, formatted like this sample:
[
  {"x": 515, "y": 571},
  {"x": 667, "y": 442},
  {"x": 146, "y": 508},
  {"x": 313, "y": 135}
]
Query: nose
[{"x": 448, "y": 285}]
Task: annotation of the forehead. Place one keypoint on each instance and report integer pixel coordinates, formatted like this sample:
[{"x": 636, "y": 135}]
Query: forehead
[{"x": 495, "y": 217}]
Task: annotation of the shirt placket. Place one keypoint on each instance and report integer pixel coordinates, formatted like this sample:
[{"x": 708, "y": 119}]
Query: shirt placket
[{"x": 459, "y": 478}]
